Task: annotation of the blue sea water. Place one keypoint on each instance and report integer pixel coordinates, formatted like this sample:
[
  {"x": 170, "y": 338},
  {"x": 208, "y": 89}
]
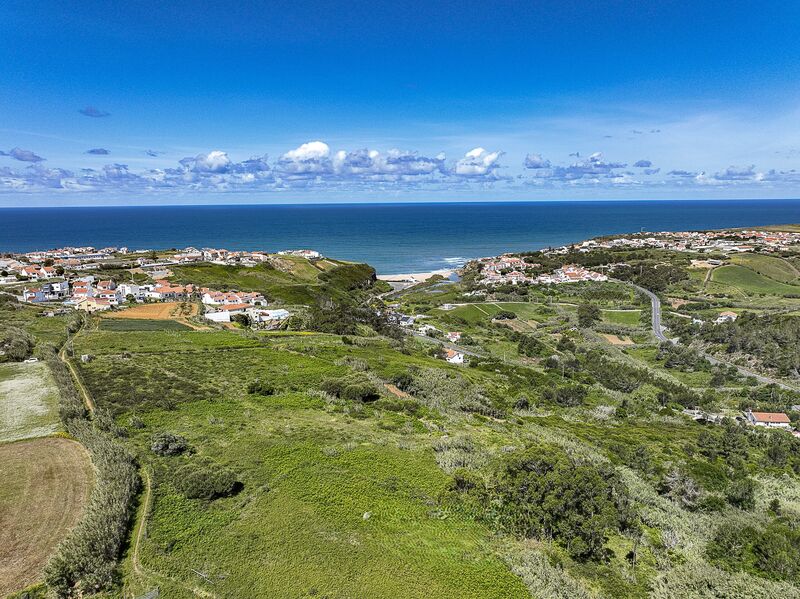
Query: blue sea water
[{"x": 394, "y": 238}]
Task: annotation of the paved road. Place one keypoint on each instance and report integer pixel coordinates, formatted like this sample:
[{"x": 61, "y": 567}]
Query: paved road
[{"x": 658, "y": 331}]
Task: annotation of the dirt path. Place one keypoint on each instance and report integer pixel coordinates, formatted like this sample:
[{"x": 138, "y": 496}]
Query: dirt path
[
  {"x": 141, "y": 532},
  {"x": 45, "y": 485},
  {"x": 87, "y": 399}
]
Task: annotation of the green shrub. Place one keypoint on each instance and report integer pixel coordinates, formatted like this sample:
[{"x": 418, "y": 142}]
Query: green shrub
[
  {"x": 741, "y": 493},
  {"x": 168, "y": 444},
  {"x": 261, "y": 387},
  {"x": 205, "y": 479},
  {"x": 353, "y": 387},
  {"x": 17, "y": 344},
  {"x": 545, "y": 493}
]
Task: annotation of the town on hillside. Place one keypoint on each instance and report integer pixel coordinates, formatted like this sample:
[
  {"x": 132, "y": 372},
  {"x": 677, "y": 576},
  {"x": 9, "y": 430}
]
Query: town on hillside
[{"x": 61, "y": 276}]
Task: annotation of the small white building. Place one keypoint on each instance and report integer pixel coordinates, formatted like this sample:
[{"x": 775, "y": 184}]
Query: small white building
[
  {"x": 453, "y": 356},
  {"x": 726, "y": 316}
]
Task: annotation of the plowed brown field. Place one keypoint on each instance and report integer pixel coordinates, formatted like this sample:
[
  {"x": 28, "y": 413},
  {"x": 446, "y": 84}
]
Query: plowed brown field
[{"x": 44, "y": 486}]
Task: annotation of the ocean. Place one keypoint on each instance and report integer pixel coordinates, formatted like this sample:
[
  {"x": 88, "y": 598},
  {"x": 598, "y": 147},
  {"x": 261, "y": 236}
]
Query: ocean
[{"x": 394, "y": 238}]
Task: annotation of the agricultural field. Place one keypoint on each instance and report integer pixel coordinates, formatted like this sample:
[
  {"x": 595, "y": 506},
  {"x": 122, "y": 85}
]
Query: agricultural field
[
  {"x": 624, "y": 317},
  {"x": 44, "y": 486},
  {"x": 156, "y": 311},
  {"x": 744, "y": 281},
  {"x": 771, "y": 267},
  {"x": 28, "y": 402}
]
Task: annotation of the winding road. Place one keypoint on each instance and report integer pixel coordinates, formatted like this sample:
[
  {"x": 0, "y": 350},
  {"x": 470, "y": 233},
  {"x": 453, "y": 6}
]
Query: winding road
[{"x": 658, "y": 331}]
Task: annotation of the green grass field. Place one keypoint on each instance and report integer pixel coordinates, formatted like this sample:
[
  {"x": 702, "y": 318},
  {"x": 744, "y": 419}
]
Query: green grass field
[
  {"x": 746, "y": 281},
  {"x": 624, "y": 317},
  {"x": 309, "y": 479},
  {"x": 140, "y": 324},
  {"x": 309, "y": 473},
  {"x": 771, "y": 267},
  {"x": 28, "y": 402}
]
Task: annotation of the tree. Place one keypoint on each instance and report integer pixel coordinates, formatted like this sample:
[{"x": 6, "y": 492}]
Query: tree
[
  {"x": 588, "y": 314},
  {"x": 741, "y": 493},
  {"x": 544, "y": 493}
]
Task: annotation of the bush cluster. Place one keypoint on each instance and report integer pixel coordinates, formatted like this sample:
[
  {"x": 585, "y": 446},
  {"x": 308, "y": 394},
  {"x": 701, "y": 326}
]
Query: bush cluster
[
  {"x": 205, "y": 479},
  {"x": 544, "y": 493},
  {"x": 168, "y": 444},
  {"x": 351, "y": 387},
  {"x": 261, "y": 387}
]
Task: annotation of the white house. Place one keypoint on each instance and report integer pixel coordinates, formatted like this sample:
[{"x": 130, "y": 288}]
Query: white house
[
  {"x": 726, "y": 316},
  {"x": 454, "y": 357},
  {"x": 454, "y": 336},
  {"x": 769, "y": 419},
  {"x": 33, "y": 295}
]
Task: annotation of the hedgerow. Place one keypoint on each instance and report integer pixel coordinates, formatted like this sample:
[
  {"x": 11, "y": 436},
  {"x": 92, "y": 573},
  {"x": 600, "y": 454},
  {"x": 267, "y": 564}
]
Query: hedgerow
[{"x": 86, "y": 561}]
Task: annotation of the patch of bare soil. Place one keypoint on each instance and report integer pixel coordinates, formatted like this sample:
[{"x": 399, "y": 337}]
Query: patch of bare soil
[{"x": 44, "y": 486}]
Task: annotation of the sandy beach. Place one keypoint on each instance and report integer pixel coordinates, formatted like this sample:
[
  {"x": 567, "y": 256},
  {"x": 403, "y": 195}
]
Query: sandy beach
[{"x": 416, "y": 277}]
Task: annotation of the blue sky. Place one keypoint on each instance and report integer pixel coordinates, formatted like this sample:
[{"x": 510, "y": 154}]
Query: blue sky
[{"x": 107, "y": 102}]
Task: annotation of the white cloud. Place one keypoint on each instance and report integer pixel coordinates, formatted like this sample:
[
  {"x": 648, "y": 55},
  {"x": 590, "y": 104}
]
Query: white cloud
[
  {"x": 478, "y": 163},
  {"x": 215, "y": 161},
  {"x": 536, "y": 161}
]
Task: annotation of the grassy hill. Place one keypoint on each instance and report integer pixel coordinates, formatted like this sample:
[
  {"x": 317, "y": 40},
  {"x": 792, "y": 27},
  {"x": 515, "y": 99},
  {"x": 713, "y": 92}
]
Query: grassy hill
[
  {"x": 749, "y": 281},
  {"x": 290, "y": 280}
]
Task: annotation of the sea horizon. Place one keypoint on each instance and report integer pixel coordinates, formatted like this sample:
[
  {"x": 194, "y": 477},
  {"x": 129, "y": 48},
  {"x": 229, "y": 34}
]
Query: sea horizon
[{"x": 394, "y": 237}]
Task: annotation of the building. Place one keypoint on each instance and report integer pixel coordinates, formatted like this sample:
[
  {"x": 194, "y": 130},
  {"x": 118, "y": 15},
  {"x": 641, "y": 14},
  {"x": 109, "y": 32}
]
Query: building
[
  {"x": 769, "y": 419},
  {"x": 33, "y": 295},
  {"x": 93, "y": 304},
  {"x": 726, "y": 316},
  {"x": 454, "y": 336},
  {"x": 453, "y": 356}
]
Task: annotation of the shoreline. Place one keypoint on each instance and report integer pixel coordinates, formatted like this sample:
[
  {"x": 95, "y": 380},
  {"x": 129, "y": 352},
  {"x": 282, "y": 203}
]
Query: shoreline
[{"x": 415, "y": 277}]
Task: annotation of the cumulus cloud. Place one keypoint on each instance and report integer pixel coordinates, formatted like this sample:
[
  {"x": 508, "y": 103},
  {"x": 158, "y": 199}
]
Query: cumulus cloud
[
  {"x": 311, "y": 158},
  {"x": 22, "y": 155},
  {"x": 736, "y": 173},
  {"x": 93, "y": 112},
  {"x": 478, "y": 163},
  {"x": 388, "y": 166},
  {"x": 536, "y": 161},
  {"x": 215, "y": 161},
  {"x": 315, "y": 165}
]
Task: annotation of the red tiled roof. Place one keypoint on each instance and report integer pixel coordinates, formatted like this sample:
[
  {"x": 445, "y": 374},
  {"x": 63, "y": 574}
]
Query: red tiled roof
[
  {"x": 773, "y": 417},
  {"x": 237, "y": 306}
]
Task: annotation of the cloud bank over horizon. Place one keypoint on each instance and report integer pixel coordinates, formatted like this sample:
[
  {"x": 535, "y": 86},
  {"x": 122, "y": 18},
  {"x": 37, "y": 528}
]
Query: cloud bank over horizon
[{"x": 315, "y": 166}]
